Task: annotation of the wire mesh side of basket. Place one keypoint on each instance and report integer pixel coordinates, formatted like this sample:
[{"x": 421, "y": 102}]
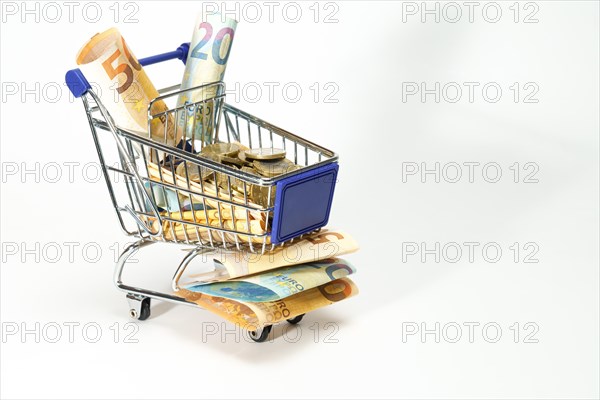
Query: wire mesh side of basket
[{"x": 200, "y": 201}]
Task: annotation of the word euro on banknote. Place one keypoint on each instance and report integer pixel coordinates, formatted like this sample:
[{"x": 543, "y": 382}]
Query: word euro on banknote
[
  {"x": 206, "y": 63},
  {"x": 278, "y": 284},
  {"x": 126, "y": 91}
]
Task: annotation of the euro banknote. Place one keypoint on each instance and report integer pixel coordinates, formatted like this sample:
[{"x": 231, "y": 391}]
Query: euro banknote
[
  {"x": 124, "y": 88},
  {"x": 254, "y": 316},
  {"x": 321, "y": 245},
  {"x": 207, "y": 59},
  {"x": 277, "y": 284}
]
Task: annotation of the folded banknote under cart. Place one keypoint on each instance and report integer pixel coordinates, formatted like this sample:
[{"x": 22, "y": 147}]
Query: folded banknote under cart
[{"x": 228, "y": 208}]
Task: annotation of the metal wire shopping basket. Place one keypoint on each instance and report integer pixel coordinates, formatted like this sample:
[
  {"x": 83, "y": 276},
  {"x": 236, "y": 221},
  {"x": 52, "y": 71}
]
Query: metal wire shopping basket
[{"x": 156, "y": 199}]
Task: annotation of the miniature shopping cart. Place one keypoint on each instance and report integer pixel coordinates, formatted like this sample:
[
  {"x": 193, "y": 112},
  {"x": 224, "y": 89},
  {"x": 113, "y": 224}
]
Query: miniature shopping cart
[{"x": 155, "y": 204}]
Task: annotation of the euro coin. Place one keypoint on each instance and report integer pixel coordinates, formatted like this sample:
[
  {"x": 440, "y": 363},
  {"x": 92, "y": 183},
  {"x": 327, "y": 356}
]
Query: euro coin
[
  {"x": 260, "y": 195},
  {"x": 238, "y": 184},
  {"x": 195, "y": 172},
  {"x": 242, "y": 156},
  {"x": 242, "y": 147},
  {"x": 223, "y": 181},
  {"x": 271, "y": 169},
  {"x": 265, "y": 153},
  {"x": 221, "y": 149},
  {"x": 233, "y": 161},
  {"x": 250, "y": 170}
]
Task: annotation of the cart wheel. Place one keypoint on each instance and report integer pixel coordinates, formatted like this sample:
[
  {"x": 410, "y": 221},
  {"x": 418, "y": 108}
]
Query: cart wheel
[
  {"x": 260, "y": 335},
  {"x": 144, "y": 312},
  {"x": 296, "y": 319}
]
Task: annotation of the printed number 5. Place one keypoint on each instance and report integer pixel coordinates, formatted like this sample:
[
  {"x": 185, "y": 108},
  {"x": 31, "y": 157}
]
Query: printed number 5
[
  {"x": 322, "y": 238},
  {"x": 216, "y": 48},
  {"x": 121, "y": 68}
]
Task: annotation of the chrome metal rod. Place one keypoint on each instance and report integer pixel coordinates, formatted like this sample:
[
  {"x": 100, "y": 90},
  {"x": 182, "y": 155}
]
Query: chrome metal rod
[
  {"x": 118, "y": 277},
  {"x": 184, "y": 264}
]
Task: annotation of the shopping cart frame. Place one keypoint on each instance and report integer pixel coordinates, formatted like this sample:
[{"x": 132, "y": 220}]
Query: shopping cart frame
[{"x": 139, "y": 298}]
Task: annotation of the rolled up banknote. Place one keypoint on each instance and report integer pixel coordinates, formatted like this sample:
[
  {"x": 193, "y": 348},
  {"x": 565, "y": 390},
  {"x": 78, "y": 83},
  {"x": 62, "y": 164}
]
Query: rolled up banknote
[
  {"x": 125, "y": 89},
  {"x": 206, "y": 62},
  {"x": 277, "y": 284},
  {"x": 317, "y": 246},
  {"x": 254, "y": 316},
  {"x": 233, "y": 264},
  {"x": 272, "y": 312}
]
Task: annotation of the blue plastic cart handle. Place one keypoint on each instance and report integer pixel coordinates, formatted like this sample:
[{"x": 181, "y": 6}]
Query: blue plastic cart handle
[{"x": 78, "y": 85}]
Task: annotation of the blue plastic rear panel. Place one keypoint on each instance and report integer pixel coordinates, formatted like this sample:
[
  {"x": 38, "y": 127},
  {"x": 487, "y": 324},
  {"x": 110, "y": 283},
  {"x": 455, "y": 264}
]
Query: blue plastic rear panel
[{"x": 303, "y": 202}]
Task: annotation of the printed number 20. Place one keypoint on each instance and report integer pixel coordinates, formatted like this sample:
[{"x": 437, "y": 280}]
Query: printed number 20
[{"x": 216, "y": 48}]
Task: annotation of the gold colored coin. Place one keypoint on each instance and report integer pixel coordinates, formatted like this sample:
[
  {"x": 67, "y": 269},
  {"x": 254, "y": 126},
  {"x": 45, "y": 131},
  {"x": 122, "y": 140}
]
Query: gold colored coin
[
  {"x": 242, "y": 156},
  {"x": 221, "y": 149},
  {"x": 238, "y": 184},
  {"x": 195, "y": 172},
  {"x": 222, "y": 181},
  {"x": 265, "y": 153},
  {"x": 233, "y": 161},
  {"x": 260, "y": 195},
  {"x": 242, "y": 147},
  {"x": 250, "y": 170},
  {"x": 271, "y": 169}
]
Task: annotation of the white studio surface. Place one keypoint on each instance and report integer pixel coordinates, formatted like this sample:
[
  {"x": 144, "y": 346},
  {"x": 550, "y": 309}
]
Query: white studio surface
[{"x": 476, "y": 286}]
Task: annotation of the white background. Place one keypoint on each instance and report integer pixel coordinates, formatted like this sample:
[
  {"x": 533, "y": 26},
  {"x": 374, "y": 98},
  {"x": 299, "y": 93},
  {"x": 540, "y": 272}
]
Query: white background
[{"x": 369, "y": 53}]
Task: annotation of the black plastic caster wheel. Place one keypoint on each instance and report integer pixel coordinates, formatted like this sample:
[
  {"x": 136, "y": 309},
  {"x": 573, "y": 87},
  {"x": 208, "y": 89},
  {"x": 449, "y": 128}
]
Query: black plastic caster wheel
[
  {"x": 296, "y": 319},
  {"x": 144, "y": 310},
  {"x": 260, "y": 335}
]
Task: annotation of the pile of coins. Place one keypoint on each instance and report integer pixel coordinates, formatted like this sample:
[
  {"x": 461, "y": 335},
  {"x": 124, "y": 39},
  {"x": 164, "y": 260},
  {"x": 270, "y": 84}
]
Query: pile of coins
[{"x": 262, "y": 162}]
